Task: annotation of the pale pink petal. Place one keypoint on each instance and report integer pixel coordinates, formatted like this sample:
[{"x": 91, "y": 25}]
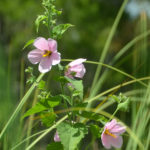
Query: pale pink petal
[
  {"x": 45, "y": 65},
  {"x": 116, "y": 142},
  {"x": 41, "y": 43},
  {"x": 118, "y": 129},
  {"x": 56, "y": 137},
  {"x": 35, "y": 56},
  {"x": 77, "y": 62},
  {"x": 52, "y": 45},
  {"x": 55, "y": 57},
  {"x": 111, "y": 124},
  {"x": 79, "y": 69},
  {"x": 105, "y": 141}
]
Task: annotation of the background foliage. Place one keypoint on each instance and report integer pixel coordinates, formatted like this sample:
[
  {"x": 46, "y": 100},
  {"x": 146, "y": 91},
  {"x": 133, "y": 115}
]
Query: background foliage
[{"x": 92, "y": 20}]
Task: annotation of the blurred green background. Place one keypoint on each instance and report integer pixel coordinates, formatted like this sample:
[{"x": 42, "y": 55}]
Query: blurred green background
[{"x": 93, "y": 20}]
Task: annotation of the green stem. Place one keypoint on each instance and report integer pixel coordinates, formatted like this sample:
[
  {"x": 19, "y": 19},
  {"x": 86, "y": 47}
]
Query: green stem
[
  {"x": 113, "y": 114},
  {"x": 23, "y": 100},
  {"x": 45, "y": 133},
  {"x": 31, "y": 118},
  {"x": 116, "y": 87},
  {"x": 26, "y": 139},
  {"x": 62, "y": 89}
]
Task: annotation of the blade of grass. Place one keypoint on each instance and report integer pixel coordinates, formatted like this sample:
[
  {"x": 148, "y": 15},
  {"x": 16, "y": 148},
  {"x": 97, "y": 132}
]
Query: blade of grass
[
  {"x": 28, "y": 138},
  {"x": 31, "y": 118},
  {"x": 110, "y": 67},
  {"x": 108, "y": 42},
  {"x": 46, "y": 132},
  {"x": 24, "y": 99},
  {"x": 116, "y": 87},
  {"x": 116, "y": 57}
]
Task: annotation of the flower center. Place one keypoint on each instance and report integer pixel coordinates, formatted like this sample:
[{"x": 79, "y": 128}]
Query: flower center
[
  {"x": 108, "y": 133},
  {"x": 47, "y": 53}
]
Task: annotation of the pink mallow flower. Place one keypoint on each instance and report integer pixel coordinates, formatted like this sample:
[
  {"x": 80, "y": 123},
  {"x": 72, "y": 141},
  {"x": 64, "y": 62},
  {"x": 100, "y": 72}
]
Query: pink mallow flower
[
  {"x": 111, "y": 134},
  {"x": 56, "y": 137},
  {"x": 45, "y": 54},
  {"x": 75, "y": 69}
]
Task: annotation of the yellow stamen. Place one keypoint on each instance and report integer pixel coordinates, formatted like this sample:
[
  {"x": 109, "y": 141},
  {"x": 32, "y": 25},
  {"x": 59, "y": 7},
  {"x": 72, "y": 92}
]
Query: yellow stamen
[
  {"x": 47, "y": 53},
  {"x": 108, "y": 133}
]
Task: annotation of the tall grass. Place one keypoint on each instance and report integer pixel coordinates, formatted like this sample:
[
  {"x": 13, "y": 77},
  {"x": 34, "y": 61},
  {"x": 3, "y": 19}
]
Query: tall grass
[{"x": 138, "y": 127}]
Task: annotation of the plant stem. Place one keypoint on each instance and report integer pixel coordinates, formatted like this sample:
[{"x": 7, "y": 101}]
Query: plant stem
[
  {"x": 23, "y": 100},
  {"x": 13, "y": 148},
  {"x": 45, "y": 133},
  {"x": 31, "y": 118},
  {"x": 117, "y": 87}
]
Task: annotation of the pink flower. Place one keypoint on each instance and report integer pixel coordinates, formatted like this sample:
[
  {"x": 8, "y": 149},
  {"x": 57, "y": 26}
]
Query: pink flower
[
  {"x": 111, "y": 134},
  {"x": 76, "y": 69},
  {"x": 56, "y": 137},
  {"x": 45, "y": 54}
]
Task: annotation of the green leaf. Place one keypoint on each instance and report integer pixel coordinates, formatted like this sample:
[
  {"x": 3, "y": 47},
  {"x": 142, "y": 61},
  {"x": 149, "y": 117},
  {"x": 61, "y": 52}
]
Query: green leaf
[
  {"x": 35, "y": 109},
  {"x": 71, "y": 135},
  {"x": 38, "y": 20},
  {"x": 93, "y": 116},
  {"x": 31, "y": 80},
  {"x": 41, "y": 85},
  {"x": 60, "y": 29},
  {"x": 78, "y": 85},
  {"x": 55, "y": 146},
  {"x": 95, "y": 129},
  {"x": 124, "y": 106},
  {"x": 67, "y": 98},
  {"x": 28, "y": 43},
  {"x": 29, "y": 70},
  {"x": 48, "y": 118},
  {"x": 54, "y": 101},
  {"x": 63, "y": 80}
]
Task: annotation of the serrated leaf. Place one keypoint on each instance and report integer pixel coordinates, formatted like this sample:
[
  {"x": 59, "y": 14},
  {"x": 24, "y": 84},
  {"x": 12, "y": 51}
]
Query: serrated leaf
[
  {"x": 28, "y": 43},
  {"x": 63, "y": 80},
  {"x": 77, "y": 84},
  {"x": 54, "y": 101},
  {"x": 38, "y": 20},
  {"x": 93, "y": 116},
  {"x": 71, "y": 135},
  {"x": 66, "y": 98},
  {"x": 48, "y": 118},
  {"x": 55, "y": 146},
  {"x": 60, "y": 29},
  {"x": 41, "y": 85},
  {"x": 35, "y": 109}
]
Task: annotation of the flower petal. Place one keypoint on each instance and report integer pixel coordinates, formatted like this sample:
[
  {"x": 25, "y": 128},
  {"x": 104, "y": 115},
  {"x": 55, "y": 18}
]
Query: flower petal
[
  {"x": 116, "y": 142},
  {"x": 41, "y": 43},
  {"x": 79, "y": 69},
  {"x": 77, "y": 62},
  {"x": 111, "y": 124},
  {"x": 105, "y": 141},
  {"x": 118, "y": 129},
  {"x": 52, "y": 45},
  {"x": 56, "y": 137},
  {"x": 55, "y": 57},
  {"x": 45, "y": 65},
  {"x": 35, "y": 56}
]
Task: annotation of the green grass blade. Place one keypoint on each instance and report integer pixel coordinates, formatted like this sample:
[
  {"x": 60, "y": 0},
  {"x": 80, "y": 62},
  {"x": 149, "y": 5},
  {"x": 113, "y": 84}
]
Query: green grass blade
[
  {"x": 108, "y": 42},
  {"x": 116, "y": 87},
  {"x": 24, "y": 99},
  {"x": 46, "y": 132}
]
